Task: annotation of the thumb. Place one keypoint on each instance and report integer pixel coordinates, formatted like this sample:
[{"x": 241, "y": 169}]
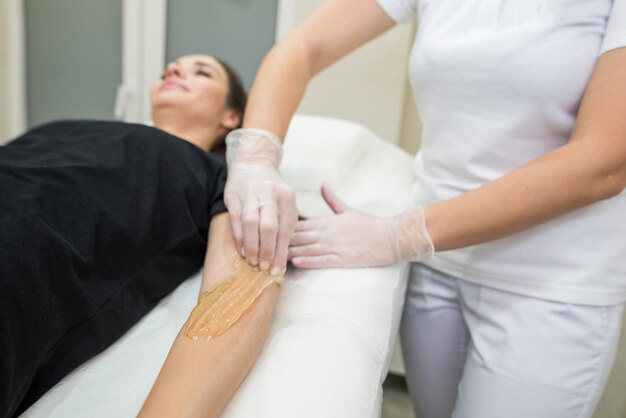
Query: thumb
[{"x": 333, "y": 201}]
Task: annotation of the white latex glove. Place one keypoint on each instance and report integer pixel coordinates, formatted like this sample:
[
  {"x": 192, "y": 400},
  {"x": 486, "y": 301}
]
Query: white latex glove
[
  {"x": 352, "y": 238},
  {"x": 262, "y": 206}
]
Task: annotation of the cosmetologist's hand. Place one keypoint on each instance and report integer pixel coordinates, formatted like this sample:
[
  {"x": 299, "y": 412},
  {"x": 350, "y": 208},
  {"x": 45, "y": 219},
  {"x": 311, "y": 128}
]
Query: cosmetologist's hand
[
  {"x": 351, "y": 238},
  {"x": 261, "y": 205}
]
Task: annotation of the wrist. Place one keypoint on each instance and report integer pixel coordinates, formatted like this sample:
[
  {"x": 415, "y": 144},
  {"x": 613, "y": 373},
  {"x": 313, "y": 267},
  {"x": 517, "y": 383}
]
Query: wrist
[
  {"x": 252, "y": 145},
  {"x": 413, "y": 242}
]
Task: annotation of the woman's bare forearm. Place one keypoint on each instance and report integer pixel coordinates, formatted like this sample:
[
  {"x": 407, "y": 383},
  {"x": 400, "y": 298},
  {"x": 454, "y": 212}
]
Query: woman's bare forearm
[{"x": 200, "y": 376}]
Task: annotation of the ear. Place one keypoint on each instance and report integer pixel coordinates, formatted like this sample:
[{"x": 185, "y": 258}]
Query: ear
[{"x": 229, "y": 120}]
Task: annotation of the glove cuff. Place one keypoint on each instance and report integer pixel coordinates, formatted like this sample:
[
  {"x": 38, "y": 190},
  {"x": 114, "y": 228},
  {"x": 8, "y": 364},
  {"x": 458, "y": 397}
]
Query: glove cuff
[
  {"x": 413, "y": 243},
  {"x": 252, "y": 145}
]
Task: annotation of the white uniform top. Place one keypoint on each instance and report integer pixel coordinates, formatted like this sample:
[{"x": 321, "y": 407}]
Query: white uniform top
[{"x": 498, "y": 83}]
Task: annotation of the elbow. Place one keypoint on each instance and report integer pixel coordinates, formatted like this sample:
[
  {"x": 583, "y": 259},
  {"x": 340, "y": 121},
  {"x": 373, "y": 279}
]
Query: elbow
[
  {"x": 609, "y": 184},
  {"x": 618, "y": 182},
  {"x": 600, "y": 168}
]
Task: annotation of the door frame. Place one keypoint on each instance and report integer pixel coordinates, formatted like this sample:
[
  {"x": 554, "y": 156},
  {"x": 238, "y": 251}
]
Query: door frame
[
  {"x": 13, "y": 60},
  {"x": 144, "y": 29}
]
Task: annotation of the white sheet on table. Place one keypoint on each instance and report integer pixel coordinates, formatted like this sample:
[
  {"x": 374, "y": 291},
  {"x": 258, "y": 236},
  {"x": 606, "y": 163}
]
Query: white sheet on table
[{"x": 326, "y": 356}]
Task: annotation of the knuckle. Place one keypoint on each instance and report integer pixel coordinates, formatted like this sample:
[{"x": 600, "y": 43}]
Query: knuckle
[
  {"x": 251, "y": 251},
  {"x": 269, "y": 225},
  {"x": 286, "y": 191},
  {"x": 249, "y": 219},
  {"x": 290, "y": 195},
  {"x": 281, "y": 259},
  {"x": 266, "y": 254}
]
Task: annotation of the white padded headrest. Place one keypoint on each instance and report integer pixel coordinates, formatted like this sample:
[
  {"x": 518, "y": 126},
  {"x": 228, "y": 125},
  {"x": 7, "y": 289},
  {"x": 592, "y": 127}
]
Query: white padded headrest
[{"x": 346, "y": 156}]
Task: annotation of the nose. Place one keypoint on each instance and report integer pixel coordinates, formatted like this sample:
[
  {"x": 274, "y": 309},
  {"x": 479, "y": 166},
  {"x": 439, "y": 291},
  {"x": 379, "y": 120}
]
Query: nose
[{"x": 174, "y": 69}]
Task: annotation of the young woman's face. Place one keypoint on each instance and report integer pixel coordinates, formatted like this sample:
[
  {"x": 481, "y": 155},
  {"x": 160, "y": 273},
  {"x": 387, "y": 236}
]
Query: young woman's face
[{"x": 194, "y": 84}]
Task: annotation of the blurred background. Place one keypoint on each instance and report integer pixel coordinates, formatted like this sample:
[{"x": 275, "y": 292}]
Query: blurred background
[{"x": 68, "y": 59}]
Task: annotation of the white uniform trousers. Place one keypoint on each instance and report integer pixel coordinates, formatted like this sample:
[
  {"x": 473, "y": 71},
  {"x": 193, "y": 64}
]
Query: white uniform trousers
[{"x": 475, "y": 352}]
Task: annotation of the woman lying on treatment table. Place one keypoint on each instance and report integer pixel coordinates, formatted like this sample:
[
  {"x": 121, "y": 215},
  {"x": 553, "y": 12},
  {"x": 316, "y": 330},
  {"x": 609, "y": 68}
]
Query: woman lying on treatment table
[{"x": 101, "y": 220}]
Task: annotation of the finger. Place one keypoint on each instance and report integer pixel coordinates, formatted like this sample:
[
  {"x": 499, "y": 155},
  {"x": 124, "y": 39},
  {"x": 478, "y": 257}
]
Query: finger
[
  {"x": 234, "y": 209},
  {"x": 307, "y": 251},
  {"x": 250, "y": 222},
  {"x": 279, "y": 265},
  {"x": 308, "y": 225},
  {"x": 333, "y": 201},
  {"x": 318, "y": 262},
  {"x": 286, "y": 224},
  {"x": 268, "y": 232},
  {"x": 304, "y": 238}
]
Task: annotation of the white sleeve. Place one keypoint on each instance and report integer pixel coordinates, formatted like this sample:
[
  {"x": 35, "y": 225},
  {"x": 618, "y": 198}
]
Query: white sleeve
[
  {"x": 615, "y": 34},
  {"x": 399, "y": 10}
]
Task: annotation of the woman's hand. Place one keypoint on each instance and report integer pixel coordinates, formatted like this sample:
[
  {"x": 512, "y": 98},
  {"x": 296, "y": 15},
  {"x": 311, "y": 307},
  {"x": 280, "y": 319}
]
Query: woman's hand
[
  {"x": 262, "y": 206},
  {"x": 352, "y": 238}
]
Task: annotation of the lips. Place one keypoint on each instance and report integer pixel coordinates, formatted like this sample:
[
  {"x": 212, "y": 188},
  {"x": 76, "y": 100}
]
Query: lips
[{"x": 173, "y": 84}]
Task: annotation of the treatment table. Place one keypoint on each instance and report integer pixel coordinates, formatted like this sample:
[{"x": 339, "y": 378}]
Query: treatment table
[{"x": 334, "y": 330}]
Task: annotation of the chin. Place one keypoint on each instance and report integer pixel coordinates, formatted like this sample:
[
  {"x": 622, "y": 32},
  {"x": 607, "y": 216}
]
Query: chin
[{"x": 168, "y": 104}]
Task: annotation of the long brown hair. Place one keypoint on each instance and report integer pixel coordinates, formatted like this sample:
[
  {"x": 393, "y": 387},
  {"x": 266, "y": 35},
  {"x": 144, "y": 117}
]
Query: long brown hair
[{"x": 236, "y": 100}]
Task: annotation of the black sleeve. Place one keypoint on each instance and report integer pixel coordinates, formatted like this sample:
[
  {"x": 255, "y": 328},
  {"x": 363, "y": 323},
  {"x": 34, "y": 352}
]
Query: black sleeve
[{"x": 217, "y": 186}]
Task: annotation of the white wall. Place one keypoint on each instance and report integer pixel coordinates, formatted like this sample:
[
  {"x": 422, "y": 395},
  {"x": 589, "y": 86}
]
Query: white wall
[
  {"x": 143, "y": 57},
  {"x": 411, "y": 132},
  {"x": 411, "y": 129},
  {"x": 368, "y": 86},
  {"x": 12, "y": 91}
]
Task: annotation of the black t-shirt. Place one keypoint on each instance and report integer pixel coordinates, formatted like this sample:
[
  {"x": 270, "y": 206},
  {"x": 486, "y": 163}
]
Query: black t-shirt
[
  {"x": 98, "y": 221},
  {"x": 106, "y": 186}
]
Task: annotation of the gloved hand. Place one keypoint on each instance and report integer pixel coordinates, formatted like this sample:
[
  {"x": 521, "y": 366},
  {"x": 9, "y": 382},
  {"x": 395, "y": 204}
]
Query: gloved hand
[
  {"x": 261, "y": 205},
  {"x": 352, "y": 238}
]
